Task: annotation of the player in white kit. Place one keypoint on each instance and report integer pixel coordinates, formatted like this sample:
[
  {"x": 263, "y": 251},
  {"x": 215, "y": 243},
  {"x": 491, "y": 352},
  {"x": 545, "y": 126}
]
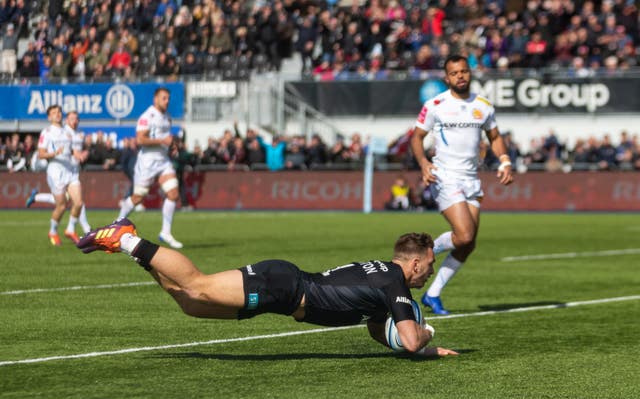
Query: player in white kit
[
  {"x": 457, "y": 119},
  {"x": 153, "y": 135},
  {"x": 56, "y": 146},
  {"x": 77, "y": 141}
]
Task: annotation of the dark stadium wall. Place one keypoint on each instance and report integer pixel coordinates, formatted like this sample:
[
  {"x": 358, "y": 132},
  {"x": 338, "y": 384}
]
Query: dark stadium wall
[{"x": 579, "y": 191}]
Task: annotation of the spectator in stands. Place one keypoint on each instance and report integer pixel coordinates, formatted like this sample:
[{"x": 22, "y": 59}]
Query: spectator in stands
[
  {"x": 536, "y": 50},
  {"x": 120, "y": 59},
  {"x": 274, "y": 152},
  {"x": 307, "y": 36},
  {"x": 316, "y": 152},
  {"x": 220, "y": 42},
  {"x": 190, "y": 66},
  {"x": 9, "y": 61},
  {"x": 44, "y": 67},
  {"x": 28, "y": 149},
  {"x": 400, "y": 195},
  {"x": 60, "y": 67},
  {"x": 15, "y": 156},
  {"x": 295, "y": 159},
  {"x": 28, "y": 68},
  {"x": 97, "y": 58},
  {"x": 339, "y": 153},
  {"x": 210, "y": 154},
  {"x": 607, "y": 154},
  {"x": 255, "y": 153}
]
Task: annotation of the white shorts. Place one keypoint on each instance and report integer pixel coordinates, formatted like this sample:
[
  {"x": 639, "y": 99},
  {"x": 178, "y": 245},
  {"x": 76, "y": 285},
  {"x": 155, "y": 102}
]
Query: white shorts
[
  {"x": 148, "y": 169},
  {"x": 59, "y": 177},
  {"x": 450, "y": 189}
]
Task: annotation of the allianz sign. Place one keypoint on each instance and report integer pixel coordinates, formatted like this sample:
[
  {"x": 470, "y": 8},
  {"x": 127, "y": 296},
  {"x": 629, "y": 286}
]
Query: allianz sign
[{"x": 118, "y": 102}]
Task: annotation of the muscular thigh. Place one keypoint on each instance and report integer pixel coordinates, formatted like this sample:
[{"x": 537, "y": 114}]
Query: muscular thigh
[
  {"x": 224, "y": 288},
  {"x": 463, "y": 218},
  {"x": 75, "y": 193}
]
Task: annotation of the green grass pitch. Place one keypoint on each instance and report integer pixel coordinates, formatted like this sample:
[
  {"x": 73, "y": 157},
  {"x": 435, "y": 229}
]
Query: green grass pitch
[{"x": 586, "y": 351}]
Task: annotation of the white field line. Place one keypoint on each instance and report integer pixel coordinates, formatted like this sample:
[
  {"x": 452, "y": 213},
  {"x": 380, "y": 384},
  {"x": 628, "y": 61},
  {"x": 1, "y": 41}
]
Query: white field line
[
  {"x": 77, "y": 287},
  {"x": 612, "y": 252},
  {"x": 314, "y": 331}
]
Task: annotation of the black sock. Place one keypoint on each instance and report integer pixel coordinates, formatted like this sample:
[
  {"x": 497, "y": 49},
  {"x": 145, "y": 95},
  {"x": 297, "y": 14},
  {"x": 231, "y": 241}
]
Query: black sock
[{"x": 144, "y": 252}]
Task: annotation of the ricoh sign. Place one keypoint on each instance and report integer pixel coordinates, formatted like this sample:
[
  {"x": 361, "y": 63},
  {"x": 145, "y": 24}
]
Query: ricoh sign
[
  {"x": 527, "y": 95},
  {"x": 92, "y": 101}
]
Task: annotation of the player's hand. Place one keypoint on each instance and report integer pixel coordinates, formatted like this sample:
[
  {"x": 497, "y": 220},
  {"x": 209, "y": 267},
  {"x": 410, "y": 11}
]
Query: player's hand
[
  {"x": 442, "y": 352},
  {"x": 436, "y": 352},
  {"x": 505, "y": 174},
  {"x": 59, "y": 151},
  {"x": 427, "y": 173}
]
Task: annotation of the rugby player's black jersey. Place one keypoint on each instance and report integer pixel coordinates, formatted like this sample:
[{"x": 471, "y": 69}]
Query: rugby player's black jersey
[{"x": 357, "y": 292}]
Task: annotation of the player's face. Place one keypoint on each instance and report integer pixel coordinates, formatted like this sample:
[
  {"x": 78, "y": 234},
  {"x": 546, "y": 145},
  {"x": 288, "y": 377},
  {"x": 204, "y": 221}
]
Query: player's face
[
  {"x": 458, "y": 77},
  {"x": 55, "y": 116},
  {"x": 423, "y": 269},
  {"x": 161, "y": 101},
  {"x": 73, "y": 121}
]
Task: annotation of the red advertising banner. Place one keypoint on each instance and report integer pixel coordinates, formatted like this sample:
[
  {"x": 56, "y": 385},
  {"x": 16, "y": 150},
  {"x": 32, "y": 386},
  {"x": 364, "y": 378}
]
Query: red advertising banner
[{"x": 579, "y": 191}]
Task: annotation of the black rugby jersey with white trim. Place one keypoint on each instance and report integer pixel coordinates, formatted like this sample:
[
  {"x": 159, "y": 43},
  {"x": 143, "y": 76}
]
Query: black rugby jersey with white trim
[{"x": 357, "y": 292}]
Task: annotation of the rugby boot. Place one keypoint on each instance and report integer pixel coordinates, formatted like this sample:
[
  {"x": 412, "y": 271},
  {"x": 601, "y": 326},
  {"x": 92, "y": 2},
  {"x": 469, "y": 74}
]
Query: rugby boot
[
  {"x": 72, "y": 236},
  {"x": 106, "y": 238},
  {"x": 32, "y": 198},
  {"x": 54, "y": 239},
  {"x": 434, "y": 303}
]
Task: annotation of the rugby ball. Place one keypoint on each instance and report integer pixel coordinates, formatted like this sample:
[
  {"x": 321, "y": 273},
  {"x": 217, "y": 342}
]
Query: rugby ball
[{"x": 391, "y": 332}]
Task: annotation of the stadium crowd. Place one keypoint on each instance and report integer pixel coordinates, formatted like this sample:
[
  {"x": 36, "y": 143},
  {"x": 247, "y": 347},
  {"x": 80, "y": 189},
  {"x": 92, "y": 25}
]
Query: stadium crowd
[
  {"x": 336, "y": 39},
  {"x": 233, "y": 150}
]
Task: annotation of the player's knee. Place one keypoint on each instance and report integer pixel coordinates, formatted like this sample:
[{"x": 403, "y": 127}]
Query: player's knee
[
  {"x": 465, "y": 239},
  {"x": 173, "y": 195},
  {"x": 170, "y": 186},
  {"x": 139, "y": 191}
]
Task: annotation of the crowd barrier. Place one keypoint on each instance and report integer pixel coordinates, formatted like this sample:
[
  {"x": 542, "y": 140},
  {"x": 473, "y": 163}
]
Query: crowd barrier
[{"x": 257, "y": 190}]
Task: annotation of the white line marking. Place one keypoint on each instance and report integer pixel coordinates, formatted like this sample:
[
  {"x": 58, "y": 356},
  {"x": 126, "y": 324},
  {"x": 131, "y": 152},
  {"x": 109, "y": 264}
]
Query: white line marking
[
  {"x": 76, "y": 288},
  {"x": 317, "y": 330},
  {"x": 542, "y": 307},
  {"x": 612, "y": 252}
]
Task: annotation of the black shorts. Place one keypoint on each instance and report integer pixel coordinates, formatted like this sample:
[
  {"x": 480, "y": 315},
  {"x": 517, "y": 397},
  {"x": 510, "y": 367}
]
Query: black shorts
[{"x": 271, "y": 286}]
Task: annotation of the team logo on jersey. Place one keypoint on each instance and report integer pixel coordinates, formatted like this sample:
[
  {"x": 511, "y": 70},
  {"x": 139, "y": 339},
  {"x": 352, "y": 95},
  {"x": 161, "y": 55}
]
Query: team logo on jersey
[
  {"x": 119, "y": 101},
  {"x": 423, "y": 114},
  {"x": 476, "y": 113},
  {"x": 403, "y": 299},
  {"x": 143, "y": 122}
]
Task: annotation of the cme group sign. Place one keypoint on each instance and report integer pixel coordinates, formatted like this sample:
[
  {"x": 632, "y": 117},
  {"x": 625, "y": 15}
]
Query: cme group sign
[{"x": 92, "y": 101}]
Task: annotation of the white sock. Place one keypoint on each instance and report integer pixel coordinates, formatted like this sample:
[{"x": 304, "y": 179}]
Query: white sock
[
  {"x": 83, "y": 220},
  {"x": 168, "y": 208},
  {"x": 127, "y": 207},
  {"x": 443, "y": 243},
  {"x": 129, "y": 242},
  {"x": 448, "y": 269},
  {"x": 53, "y": 227},
  {"x": 47, "y": 198},
  {"x": 71, "y": 227}
]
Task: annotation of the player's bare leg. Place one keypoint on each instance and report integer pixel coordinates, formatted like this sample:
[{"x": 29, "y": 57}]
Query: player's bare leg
[
  {"x": 464, "y": 219},
  {"x": 75, "y": 194},
  {"x": 130, "y": 203},
  {"x": 56, "y": 215},
  {"x": 218, "y": 295}
]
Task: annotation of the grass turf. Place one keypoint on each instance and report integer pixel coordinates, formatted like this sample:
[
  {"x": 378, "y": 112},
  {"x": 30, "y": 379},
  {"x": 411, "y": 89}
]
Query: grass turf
[{"x": 587, "y": 351}]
